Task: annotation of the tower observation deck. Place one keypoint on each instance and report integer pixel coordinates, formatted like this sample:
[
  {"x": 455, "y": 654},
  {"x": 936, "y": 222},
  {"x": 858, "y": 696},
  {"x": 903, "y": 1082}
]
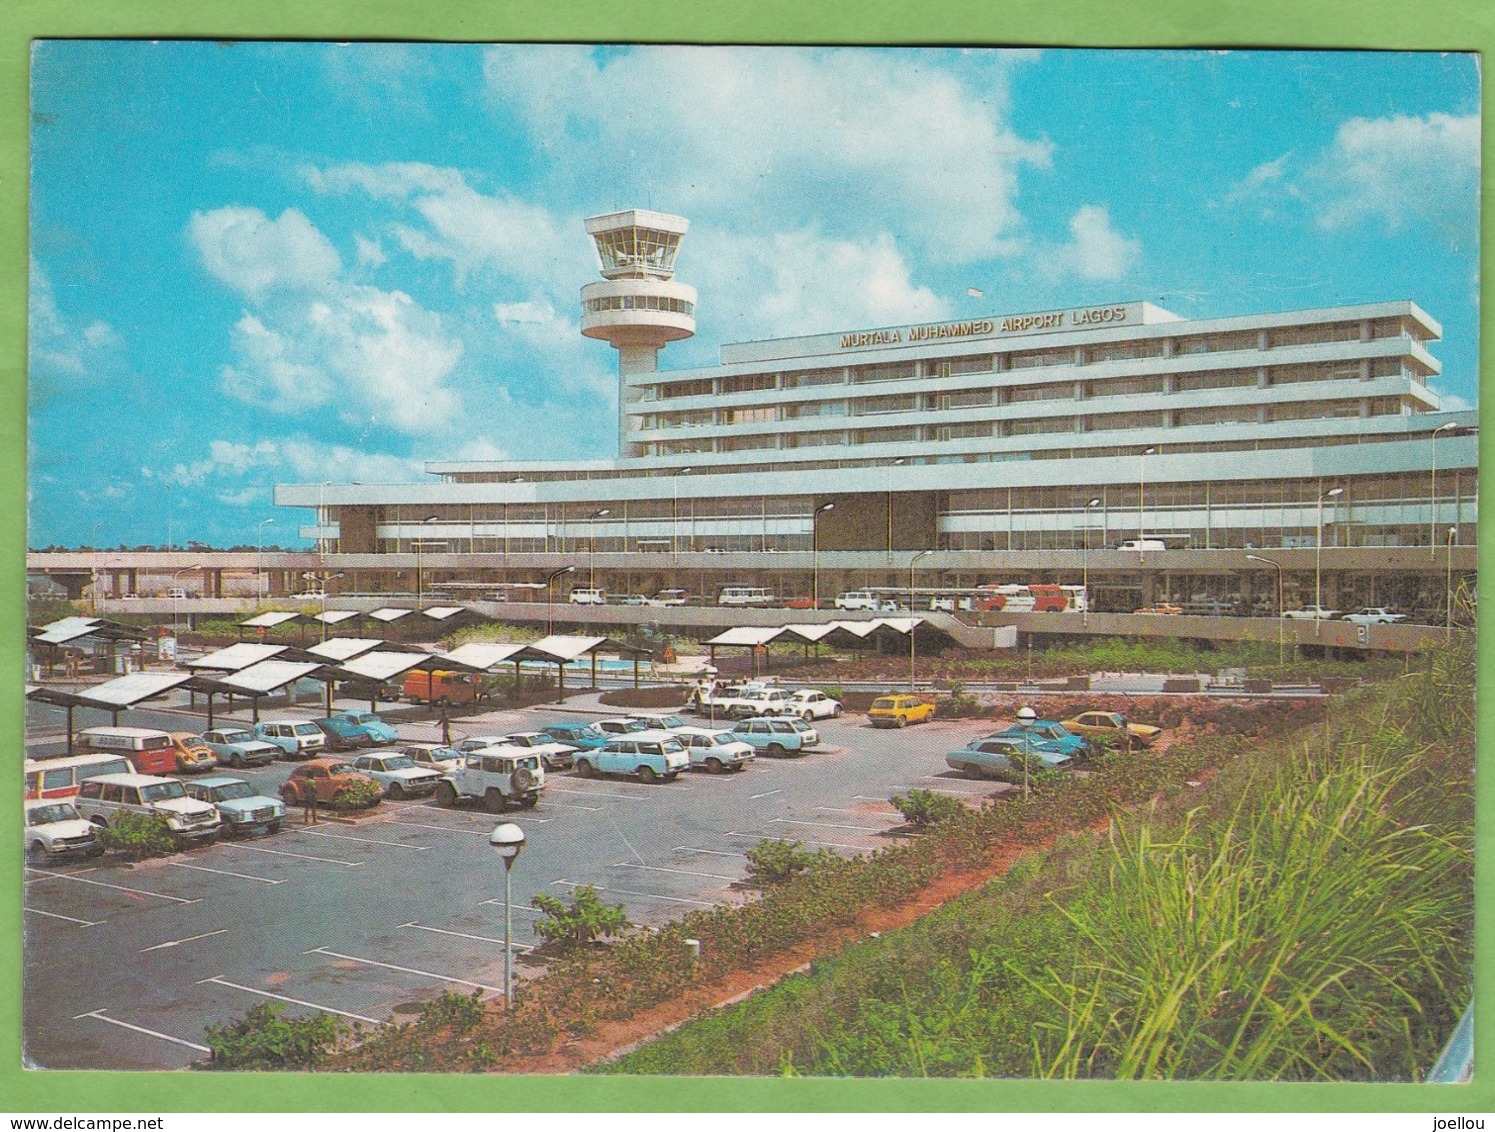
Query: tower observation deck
[{"x": 637, "y": 307}]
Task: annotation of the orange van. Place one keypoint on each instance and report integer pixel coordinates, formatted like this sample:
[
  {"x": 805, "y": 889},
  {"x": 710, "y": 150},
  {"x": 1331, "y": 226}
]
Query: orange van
[{"x": 440, "y": 687}]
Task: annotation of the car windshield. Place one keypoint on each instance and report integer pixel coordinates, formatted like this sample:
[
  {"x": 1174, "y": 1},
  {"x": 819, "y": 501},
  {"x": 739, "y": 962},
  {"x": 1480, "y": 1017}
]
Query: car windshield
[
  {"x": 358, "y": 717},
  {"x": 442, "y": 754},
  {"x": 231, "y": 790},
  {"x": 341, "y": 768},
  {"x": 235, "y": 737},
  {"x": 162, "y": 791},
  {"x": 800, "y": 725},
  {"x": 187, "y": 742},
  {"x": 671, "y": 721},
  {"x": 307, "y": 729},
  {"x": 670, "y": 746},
  {"x": 399, "y": 762},
  {"x": 41, "y": 815},
  {"x": 882, "y": 703}
]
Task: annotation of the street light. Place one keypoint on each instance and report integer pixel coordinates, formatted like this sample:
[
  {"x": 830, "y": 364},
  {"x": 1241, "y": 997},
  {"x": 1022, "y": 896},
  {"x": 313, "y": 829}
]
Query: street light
[
  {"x": 815, "y": 547},
  {"x": 911, "y": 628},
  {"x": 1141, "y": 496},
  {"x": 176, "y": 618},
  {"x": 507, "y": 841},
  {"x": 550, "y": 598},
  {"x": 592, "y": 546},
  {"x": 1433, "y": 489},
  {"x": 1026, "y": 717},
  {"x": 1085, "y": 562},
  {"x": 889, "y": 479},
  {"x": 1281, "y": 645},
  {"x": 420, "y": 543},
  {"x": 1318, "y": 558},
  {"x": 259, "y": 555},
  {"x": 675, "y": 512},
  {"x": 1453, "y": 533}
]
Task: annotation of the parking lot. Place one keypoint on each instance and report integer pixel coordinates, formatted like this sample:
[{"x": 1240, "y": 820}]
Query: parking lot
[{"x": 369, "y": 917}]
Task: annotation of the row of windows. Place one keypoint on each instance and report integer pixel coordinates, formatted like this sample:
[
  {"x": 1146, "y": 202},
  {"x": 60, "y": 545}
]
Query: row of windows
[{"x": 641, "y": 303}]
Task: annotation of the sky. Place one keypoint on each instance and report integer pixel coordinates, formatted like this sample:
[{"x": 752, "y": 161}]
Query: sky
[{"x": 261, "y": 263}]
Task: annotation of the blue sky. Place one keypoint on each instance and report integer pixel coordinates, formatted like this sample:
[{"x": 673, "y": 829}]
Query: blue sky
[{"x": 255, "y": 263}]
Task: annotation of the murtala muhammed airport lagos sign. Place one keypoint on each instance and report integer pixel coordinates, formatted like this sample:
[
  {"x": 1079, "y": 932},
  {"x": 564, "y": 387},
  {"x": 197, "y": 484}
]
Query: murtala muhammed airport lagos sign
[{"x": 1081, "y": 318}]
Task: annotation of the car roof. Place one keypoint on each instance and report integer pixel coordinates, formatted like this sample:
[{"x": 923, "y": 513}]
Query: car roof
[
  {"x": 214, "y": 780},
  {"x": 129, "y": 779},
  {"x": 36, "y": 803}
]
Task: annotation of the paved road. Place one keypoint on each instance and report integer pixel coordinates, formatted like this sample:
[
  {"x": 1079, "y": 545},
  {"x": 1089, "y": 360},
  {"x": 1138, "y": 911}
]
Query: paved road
[{"x": 125, "y": 966}]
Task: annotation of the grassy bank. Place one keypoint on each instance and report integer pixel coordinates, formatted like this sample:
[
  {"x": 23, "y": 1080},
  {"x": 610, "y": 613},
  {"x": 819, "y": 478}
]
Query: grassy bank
[{"x": 1307, "y": 915}]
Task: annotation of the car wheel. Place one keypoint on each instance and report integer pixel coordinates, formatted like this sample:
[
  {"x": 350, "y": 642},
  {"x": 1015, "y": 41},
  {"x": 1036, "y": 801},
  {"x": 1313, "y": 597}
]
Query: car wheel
[
  {"x": 396, "y": 792},
  {"x": 585, "y": 769},
  {"x": 807, "y": 715},
  {"x": 446, "y": 794},
  {"x": 970, "y": 769},
  {"x": 274, "y": 826},
  {"x": 494, "y": 801},
  {"x": 777, "y": 750},
  {"x": 714, "y": 765},
  {"x": 236, "y": 760},
  {"x": 646, "y": 774},
  {"x": 902, "y": 721},
  {"x": 836, "y": 712},
  {"x": 36, "y": 853}
]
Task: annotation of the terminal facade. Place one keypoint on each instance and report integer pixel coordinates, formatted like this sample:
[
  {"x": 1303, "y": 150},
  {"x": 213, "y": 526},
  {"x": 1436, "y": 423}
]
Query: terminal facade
[{"x": 1023, "y": 447}]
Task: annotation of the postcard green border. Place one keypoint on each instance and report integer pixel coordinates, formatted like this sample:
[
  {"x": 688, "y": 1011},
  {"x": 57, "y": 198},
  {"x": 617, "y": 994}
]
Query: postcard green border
[{"x": 1442, "y": 25}]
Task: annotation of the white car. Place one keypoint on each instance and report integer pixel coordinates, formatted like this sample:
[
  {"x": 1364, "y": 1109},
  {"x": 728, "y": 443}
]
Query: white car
[
  {"x": 397, "y": 774},
  {"x": 105, "y": 799},
  {"x": 1311, "y": 613},
  {"x": 715, "y": 751},
  {"x": 553, "y": 753},
  {"x": 55, "y": 831},
  {"x": 1375, "y": 615},
  {"x": 811, "y": 703},
  {"x": 656, "y": 722}
]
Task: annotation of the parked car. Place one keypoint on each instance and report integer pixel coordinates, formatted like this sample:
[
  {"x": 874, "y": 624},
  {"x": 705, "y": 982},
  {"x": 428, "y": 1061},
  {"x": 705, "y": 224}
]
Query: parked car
[
  {"x": 899, "y": 711},
  {"x": 946, "y": 604},
  {"x": 296, "y": 739},
  {"x": 803, "y": 601},
  {"x": 193, "y": 756},
  {"x": 236, "y": 747},
  {"x": 1114, "y": 726},
  {"x": 1161, "y": 607},
  {"x": 105, "y": 800},
  {"x": 773, "y": 736},
  {"x": 439, "y": 687},
  {"x": 630, "y": 599},
  {"x": 433, "y": 756},
  {"x": 342, "y": 734},
  {"x": 56, "y": 831},
  {"x": 1375, "y": 615},
  {"x": 620, "y": 725},
  {"x": 649, "y": 755},
  {"x": 811, "y": 703},
  {"x": 672, "y": 597},
  {"x": 328, "y": 778},
  {"x": 588, "y": 596},
  {"x": 578, "y": 735},
  {"x": 397, "y": 774},
  {"x": 715, "y": 751},
  {"x": 1047, "y": 735},
  {"x": 656, "y": 721},
  {"x": 809, "y": 735},
  {"x": 240, "y": 809},
  {"x": 366, "y": 723},
  {"x": 1311, "y": 613},
  {"x": 60, "y": 778},
  {"x": 498, "y": 778},
  {"x": 554, "y": 754},
  {"x": 1001, "y": 757},
  {"x": 1140, "y": 544}
]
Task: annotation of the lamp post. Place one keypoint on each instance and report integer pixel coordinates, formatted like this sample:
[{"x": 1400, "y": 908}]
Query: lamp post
[
  {"x": 259, "y": 555},
  {"x": 1453, "y": 533},
  {"x": 889, "y": 478},
  {"x": 815, "y": 547},
  {"x": 176, "y": 617},
  {"x": 168, "y": 516},
  {"x": 550, "y": 598},
  {"x": 1281, "y": 644},
  {"x": 1026, "y": 717},
  {"x": 1085, "y": 562},
  {"x": 322, "y": 589},
  {"x": 1433, "y": 489},
  {"x": 675, "y": 513},
  {"x": 507, "y": 841},
  {"x": 420, "y": 543},
  {"x": 911, "y": 628},
  {"x": 1318, "y": 560},
  {"x": 592, "y": 546},
  {"x": 1141, "y": 497}
]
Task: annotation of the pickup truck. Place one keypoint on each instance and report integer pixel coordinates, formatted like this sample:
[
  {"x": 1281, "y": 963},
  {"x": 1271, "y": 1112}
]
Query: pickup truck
[{"x": 740, "y": 703}]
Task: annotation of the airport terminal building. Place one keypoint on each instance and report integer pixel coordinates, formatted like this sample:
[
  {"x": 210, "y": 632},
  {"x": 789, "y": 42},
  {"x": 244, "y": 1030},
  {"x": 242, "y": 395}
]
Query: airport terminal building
[{"x": 1014, "y": 447}]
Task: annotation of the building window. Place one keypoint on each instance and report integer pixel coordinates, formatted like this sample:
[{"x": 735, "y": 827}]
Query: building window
[
  {"x": 1126, "y": 386},
  {"x": 1214, "y": 379},
  {"x": 1315, "y": 333},
  {"x": 1215, "y": 343},
  {"x": 1124, "y": 351},
  {"x": 750, "y": 383},
  {"x": 892, "y": 371},
  {"x": 700, "y": 388},
  {"x": 807, "y": 378},
  {"x": 1029, "y": 359},
  {"x": 1050, "y": 391}
]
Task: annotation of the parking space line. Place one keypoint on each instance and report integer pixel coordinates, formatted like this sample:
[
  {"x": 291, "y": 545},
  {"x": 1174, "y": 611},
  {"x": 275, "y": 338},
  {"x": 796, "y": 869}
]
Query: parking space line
[
  {"x": 223, "y": 872},
  {"x": 300, "y": 856},
  {"x": 710, "y": 852},
  {"x": 464, "y": 935},
  {"x": 808, "y": 841},
  {"x": 179, "y": 942},
  {"x": 407, "y": 970},
  {"x": 836, "y": 810},
  {"x": 70, "y": 919},
  {"x": 568, "y": 806},
  {"x": 675, "y": 788},
  {"x": 518, "y": 909},
  {"x": 102, "y": 1017},
  {"x": 365, "y": 840},
  {"x": 122, "y": 888},
  {"x": 296, "y": 1001},
  {"x": 826, "y": 824},
  {"x": 770, "y": 794},
  {"x": 45, "y": 874},
  {"x": 646, "y": 895},
  {"x": 679, "y": 872}
]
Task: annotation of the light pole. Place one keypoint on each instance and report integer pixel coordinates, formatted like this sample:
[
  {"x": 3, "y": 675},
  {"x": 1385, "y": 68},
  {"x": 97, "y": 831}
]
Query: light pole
[
  {"x": 1433, "y": 489},
  {"x": 1318, "y": 560},
  {"x": 176, "y": 617},
  {"x": 911, "y": 628},
  {"x": 1141, "y": 497},
  {"x": 1026, "y": 717},
  {"x": 1085, "y": 563},
  {"x": 592, "y": 546},
  {"x": 420, "y": 544},
  {"x": 259, "y": 555},
  {"x": 168, "y": 516},
  {"x": 1453, "y": 533},
  {"x": 815, "y": 547},
  {"x": 322, "y": 589},
  {"x": 675, "y": 513},
  {"x": 507, "y": 841},
  {"x": 550, "y": 598},
  {"x": 1281, "y": 644},
  {"x": 889, "y": 478}
]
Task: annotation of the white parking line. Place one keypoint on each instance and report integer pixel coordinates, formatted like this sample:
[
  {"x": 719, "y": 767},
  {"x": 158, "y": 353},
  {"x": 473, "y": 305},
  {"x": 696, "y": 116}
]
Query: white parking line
[
  {"x": 770, "y": 794},
  {"x": 808, "y": 841},
  {"x": 646, "y": 895},
  {"x": 297, "y": 1001},
  {"x": 484, "y": 832},
  {"x": 567, "y": 806},
  {"x": 835, "y": 810},
  {"x": 47, "y": 874},
  {"x": 102, "y": 1017},
  {"x": 69, "y": 919},
  {"x": 518, "y": 909},
  {"x": 464, "y": 935},
  {"x": 300, "y": 856},
  {"x": 826, "y": 824},
  {"x": 122, "y": 888},
  {"x": 365, "y": 840},
  {"x": 678, "y": 872},
  {"x": 223, "y": 872},
  {"x": 179, "y": 942},
  {"x": 709, "y": 852},
  {"x": 407, "y": 970},
  {"x": 675, "y": 788}
]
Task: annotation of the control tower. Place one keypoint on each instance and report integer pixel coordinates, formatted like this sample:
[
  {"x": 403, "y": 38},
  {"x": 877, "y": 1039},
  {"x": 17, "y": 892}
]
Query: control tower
[{"x": 638, "y": 306}]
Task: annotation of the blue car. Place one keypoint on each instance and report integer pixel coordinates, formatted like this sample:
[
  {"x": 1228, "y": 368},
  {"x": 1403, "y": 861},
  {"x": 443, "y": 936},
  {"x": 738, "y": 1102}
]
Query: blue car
[
  {"x": 1047, "y": 735},
  {"x": 240, "y": 809},
  {"x": 1001, "y": 757},
  {"x": 773, "y": 735},
  {"x": 356, "y": 729},
  {"x": 582, "y": 736}
]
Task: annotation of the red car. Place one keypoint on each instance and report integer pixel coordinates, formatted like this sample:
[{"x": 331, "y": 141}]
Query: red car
[
  {"x": 328, "y": 778},
  {"x": 799, "y": 603}
]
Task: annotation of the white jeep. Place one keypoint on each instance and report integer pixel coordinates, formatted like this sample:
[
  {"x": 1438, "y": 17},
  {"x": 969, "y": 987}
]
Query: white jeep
[{"x": 499, "y": 777}]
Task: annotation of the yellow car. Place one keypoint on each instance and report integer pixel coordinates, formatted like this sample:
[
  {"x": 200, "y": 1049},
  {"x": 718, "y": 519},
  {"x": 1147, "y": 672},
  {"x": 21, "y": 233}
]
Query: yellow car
[
  {"x": 193, "y": 756},
  {"x": 1104, "y": 724},
  {"x": 899, "y": 711}
]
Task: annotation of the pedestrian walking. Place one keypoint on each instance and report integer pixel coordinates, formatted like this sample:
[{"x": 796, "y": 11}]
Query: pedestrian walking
[
  {"x": 309, "y": 805},
  {"x": 446, "y": 728}
]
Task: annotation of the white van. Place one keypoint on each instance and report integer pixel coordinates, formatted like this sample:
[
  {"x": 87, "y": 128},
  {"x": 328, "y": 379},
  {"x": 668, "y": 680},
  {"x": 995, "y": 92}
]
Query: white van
[
  {"x": 1140, "y": 544},
  {"x": 151, "y": 751},
  {"x": 588, "y": 597},
  {"x": 857, "y": 599},
  {"x": 59, "y": 778},
  {"x": 746, "y": 595}
]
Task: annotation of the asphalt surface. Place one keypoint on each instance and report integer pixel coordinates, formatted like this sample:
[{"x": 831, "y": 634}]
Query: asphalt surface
[{"x": 125, "y": 966}]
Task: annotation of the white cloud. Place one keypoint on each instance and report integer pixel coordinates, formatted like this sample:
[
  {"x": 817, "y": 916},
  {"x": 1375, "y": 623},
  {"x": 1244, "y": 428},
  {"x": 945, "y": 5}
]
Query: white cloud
[
  {"x": 370, "y": 252},
  {"x": 1453, "y": 403},
  {"x": 240, "y": 498},
  {"x": 255, "y": 255},
  {"x": 304, "y": 458},
  {"x": 1399, "y": 170},
  {"x": 1268, "y": 173},
  {"x": 59, "y": 352},
  {"x": 1095, "y": 252}
]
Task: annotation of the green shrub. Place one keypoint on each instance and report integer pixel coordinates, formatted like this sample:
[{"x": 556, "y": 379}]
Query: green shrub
[
  {"x": 138, "y": 836},
  {"x": 574, "y": 925},
  {"x": 459, "y": 1011},
  {"x": 262, "y": 1039},
  {"x": 925, "y": 808},
  {"x": 958, "y": 705},
  {"x": 358, "y": 796},
  {"x": 774, "y": 860}
]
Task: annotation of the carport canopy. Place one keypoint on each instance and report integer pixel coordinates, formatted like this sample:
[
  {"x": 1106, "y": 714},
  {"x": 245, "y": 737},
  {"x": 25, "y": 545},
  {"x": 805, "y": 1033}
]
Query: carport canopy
[
  {"x": 257, "y": 680},
  {"x": 484, "y": 655},
  {"x": 444, "y": 612},
  {"x": 113, "y": 696},
  {"x": 70, "y": 629},
  {"x": 389, "y": 614},
  {"x": 268, "y": 620},
  {"x": 338, "y": 649},
  {"x": 334, "y": 616},
  {"x": 236, "y": 658},
  {"x": 562, "y": 650}
]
